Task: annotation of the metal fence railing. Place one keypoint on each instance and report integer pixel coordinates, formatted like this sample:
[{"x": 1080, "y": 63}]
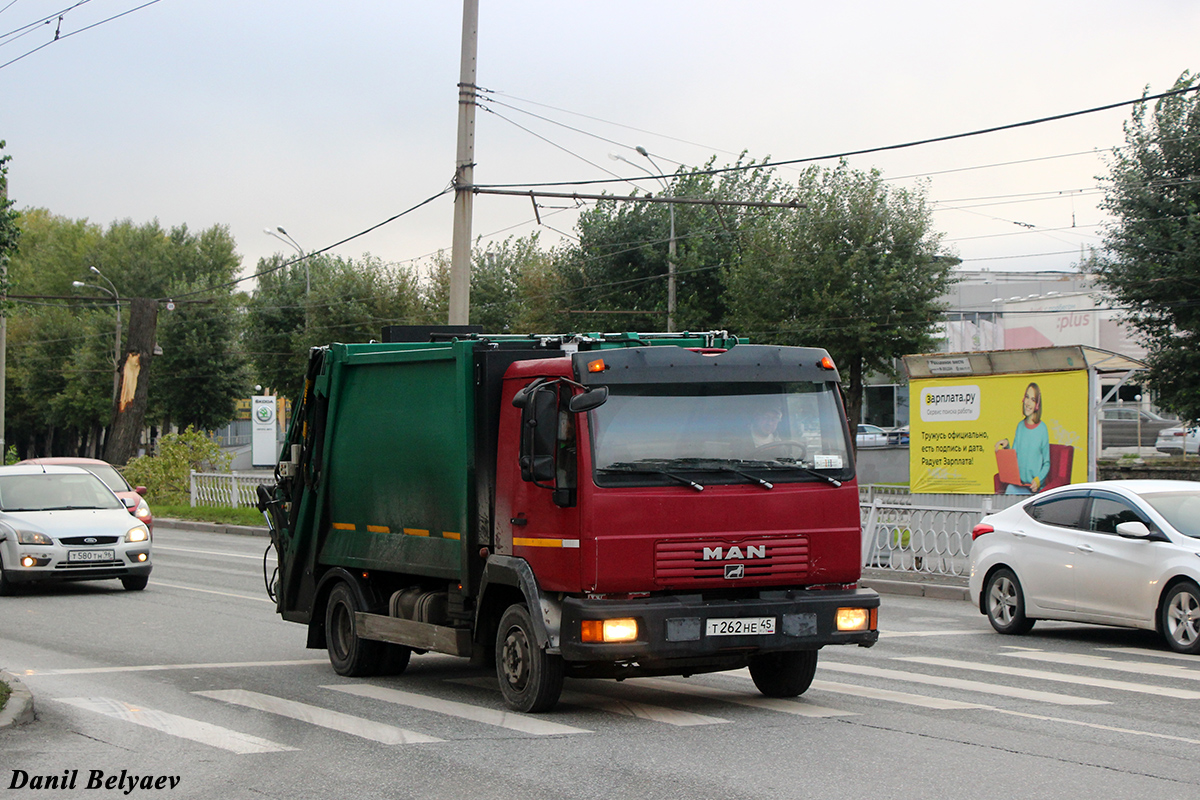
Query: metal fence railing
[
  {"x": 924, "y": 533},
  {"x": 225, "y": 489}
]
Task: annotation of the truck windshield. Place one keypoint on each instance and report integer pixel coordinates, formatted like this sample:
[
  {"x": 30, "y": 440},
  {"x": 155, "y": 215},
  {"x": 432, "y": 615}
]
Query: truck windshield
[{"x": 760, "y": 433}]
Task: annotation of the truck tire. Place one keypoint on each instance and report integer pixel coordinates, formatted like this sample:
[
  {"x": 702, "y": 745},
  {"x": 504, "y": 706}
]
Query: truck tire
[
  {"x": 531, "y": 679},
  {"x": 784, "y": 674},
  {"x": 349, "y": 655},
  {"x": 395, "y": 659}
]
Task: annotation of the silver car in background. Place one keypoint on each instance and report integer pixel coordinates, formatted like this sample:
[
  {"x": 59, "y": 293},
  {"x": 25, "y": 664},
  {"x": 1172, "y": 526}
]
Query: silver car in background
[
  {"x": 1110, "y": 552},
  {"x": 61, "y": 523}
]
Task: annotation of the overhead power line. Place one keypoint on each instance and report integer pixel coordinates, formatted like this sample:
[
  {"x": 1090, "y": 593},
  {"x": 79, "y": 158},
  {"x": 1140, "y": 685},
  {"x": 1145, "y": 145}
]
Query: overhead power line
[{"x": 863, "y": 151}]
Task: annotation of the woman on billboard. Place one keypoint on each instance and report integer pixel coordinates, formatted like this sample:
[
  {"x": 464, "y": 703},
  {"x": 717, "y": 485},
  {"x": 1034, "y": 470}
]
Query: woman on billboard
[{"x": 1030, "y": 446}]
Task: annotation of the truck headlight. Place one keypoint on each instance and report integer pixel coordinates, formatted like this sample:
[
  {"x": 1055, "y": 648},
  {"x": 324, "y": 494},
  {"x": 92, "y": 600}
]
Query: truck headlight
[
  {"x": 609, "y": 630},
  {"x": 853, "y": 619}
]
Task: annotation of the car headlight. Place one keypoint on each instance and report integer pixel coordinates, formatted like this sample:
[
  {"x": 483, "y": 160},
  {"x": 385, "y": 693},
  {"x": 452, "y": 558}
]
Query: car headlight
[
  {"x": 142, "y": 510},
  {"x": 33, "y": 537},
  {"x": 137, "y": 534}
]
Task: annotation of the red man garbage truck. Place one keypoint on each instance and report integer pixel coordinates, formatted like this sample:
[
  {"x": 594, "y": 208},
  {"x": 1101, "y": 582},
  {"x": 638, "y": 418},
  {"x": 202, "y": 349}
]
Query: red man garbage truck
[{"x": 601, "y": 506}]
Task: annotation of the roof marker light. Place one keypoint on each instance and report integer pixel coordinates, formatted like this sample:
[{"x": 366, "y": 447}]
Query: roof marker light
[
  {"x": 597, "y": 366},
  {"x": 826, "y": 363}
]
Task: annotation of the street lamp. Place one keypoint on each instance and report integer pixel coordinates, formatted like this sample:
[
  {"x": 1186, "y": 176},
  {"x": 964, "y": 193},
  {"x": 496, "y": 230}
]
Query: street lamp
[
  {"x": 285, "y": 237},
  {"x": 117, "y": 343},
  {"x": 671, "y": 246}
]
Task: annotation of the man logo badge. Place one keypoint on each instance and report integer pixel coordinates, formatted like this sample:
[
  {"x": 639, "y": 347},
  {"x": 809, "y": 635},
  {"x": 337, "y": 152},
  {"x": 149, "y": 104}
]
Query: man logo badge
[{"x": 735, "y": 571}]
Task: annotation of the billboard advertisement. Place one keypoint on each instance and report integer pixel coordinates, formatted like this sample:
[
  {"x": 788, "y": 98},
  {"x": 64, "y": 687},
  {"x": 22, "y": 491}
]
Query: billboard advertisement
[{"x": 998, "y": 434}]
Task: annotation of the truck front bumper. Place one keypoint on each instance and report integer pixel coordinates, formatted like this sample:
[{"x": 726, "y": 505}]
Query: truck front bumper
[{"x": 676, "y": 628}]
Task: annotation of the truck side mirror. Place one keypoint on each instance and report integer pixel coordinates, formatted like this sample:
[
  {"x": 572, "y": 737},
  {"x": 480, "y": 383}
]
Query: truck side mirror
[
  {"x": 591, "y": 398},
  {"x": 539, "y": 424}
]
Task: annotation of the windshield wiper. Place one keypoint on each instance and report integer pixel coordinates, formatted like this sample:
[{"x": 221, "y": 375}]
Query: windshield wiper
[
  {"x": 781, "y": 465},
  {"x": 716, "y": 465},
  {"x": 642, "y": 469}
]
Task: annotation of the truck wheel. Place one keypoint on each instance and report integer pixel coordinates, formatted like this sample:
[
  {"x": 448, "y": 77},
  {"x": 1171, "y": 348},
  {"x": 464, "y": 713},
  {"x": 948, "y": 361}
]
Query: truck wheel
[
  {"x": 395, "y": 659},
  {"x": 531, "y": 679},
  {"x": 349, "y": 655},
  {"x": 784, "y": 674}
]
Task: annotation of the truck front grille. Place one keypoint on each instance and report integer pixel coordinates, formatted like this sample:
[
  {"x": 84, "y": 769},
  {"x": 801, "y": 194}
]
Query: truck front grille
[{"x": 782, "y": 560}]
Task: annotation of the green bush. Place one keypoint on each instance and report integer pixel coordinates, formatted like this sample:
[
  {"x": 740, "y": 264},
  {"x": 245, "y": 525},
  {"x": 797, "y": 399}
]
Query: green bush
[{"x": 167, "y": 474}]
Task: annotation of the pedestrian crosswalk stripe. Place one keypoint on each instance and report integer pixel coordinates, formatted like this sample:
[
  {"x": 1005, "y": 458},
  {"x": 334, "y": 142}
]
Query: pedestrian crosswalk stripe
[
  {"x": 184, "y": 728},
  {"x": 958, "y": 683},
  {"x": 800, "y": 708},
  {"x": 323, "y": 717},
  {"x": 613, "y": 705},
  {"x": 1104, "y": 662},
  {"x": 888, "y": 695},
  {"x": 645, "y": 711},
  {"x": 1144, "y": 653},
  {"x": 1059, "y": 677},
  {"x": 488, "y": 716}
]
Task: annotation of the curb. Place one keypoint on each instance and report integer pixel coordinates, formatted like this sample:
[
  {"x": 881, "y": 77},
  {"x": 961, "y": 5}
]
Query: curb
[
  {"x": 19, "y": 708},
  {"x": 211, "y": 527},
  {"x": 939, "y": 591}
]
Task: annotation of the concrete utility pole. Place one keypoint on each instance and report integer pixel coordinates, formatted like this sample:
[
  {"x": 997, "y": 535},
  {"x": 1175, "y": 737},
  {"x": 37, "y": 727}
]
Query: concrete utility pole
[{"x": 464, "y": 171}]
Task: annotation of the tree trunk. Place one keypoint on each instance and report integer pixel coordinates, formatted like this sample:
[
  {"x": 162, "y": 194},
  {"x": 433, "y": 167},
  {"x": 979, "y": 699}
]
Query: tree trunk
[{"x": 132, "y": 396}]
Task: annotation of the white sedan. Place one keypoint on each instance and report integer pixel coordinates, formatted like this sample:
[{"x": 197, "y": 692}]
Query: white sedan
[
  {"x": 61, "y": 523},
  {"x": 1178, "y": 440},
  {"x": 1110, "y": 552},
  {"x": 871, "y": 436}
]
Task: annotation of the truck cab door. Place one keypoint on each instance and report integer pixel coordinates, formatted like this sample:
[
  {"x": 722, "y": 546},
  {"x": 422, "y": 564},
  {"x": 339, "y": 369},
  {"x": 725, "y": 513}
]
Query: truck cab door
[{"x": 536, "y": 514}]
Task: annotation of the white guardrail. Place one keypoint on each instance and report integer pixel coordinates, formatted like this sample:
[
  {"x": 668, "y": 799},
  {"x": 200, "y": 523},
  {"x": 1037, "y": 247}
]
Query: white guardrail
[
  {"x": 226, "y": 488},
  {"x": 924, "y": 533},
  {"x": 903, "y": 532}
]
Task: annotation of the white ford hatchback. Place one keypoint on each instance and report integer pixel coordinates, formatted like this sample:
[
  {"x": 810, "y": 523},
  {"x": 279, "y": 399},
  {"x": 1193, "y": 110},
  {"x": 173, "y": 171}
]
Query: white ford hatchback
[{"x": 60, "y": 523}]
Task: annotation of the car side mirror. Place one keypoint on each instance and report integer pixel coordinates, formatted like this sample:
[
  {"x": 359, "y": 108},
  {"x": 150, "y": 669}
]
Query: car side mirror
[
  {"x": 1134, "y": 529},
  {"x": 140, "y": 490}
]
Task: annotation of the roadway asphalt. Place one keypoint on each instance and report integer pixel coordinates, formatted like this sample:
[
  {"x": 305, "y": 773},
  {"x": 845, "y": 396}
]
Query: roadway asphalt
[{"x": 20, "y": 707}]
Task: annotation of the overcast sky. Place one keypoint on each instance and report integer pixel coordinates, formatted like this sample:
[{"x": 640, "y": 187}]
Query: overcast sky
[{"x": 329, "y": 118}]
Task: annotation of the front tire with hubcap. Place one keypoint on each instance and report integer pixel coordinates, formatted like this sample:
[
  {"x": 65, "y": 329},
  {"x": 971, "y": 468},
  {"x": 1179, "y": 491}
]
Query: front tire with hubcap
[
  {"x": 784, "y": 674},
  {"x": 1005, "y": 603},
  {"x": 1179, "y": 618},
  {"x": 350, "y": 655},
  {"x": 531, "y": 679}
]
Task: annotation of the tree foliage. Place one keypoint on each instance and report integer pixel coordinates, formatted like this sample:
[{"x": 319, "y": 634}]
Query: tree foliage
[
  {"x": 857, "y": 270},
  {"x": 9, "y": 232},
  {"x": 62, "y": 356},
  {"x": 622, "y": 260},
  {"x": 1151, "y": 259},
  {"x": 167, "y": 473},
  {"x": 336, "y": 300}
]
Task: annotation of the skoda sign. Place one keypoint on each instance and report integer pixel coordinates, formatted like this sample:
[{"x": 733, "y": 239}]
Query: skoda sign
[{"x": 264, "y": 447}]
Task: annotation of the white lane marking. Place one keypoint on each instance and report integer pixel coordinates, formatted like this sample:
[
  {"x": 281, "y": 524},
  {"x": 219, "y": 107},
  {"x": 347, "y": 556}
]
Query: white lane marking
[
  {"x": 1139, "y": 651},
  {"x": 958, "y": 683},
  {"x": 870, "y": 693},
  {"x": 325, "y": 718},
  {"x": 488, "y": 716},
  {"x": 800, "y": 708},
  {"x": 613, "y": 705},
  {"x": 905, "y": 634},
  {"x": 213, "y": 591},
  {"x": 1104, "y": 662},
  {"x": 1097, "y": 726},
  {"x": 162, "y": 667},
  {"x": 1058, "y": 677},
  {"x": 646, "y": 711},
  {"x": 170, "y": 548},
  {"x": 184, "y": 728}
]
